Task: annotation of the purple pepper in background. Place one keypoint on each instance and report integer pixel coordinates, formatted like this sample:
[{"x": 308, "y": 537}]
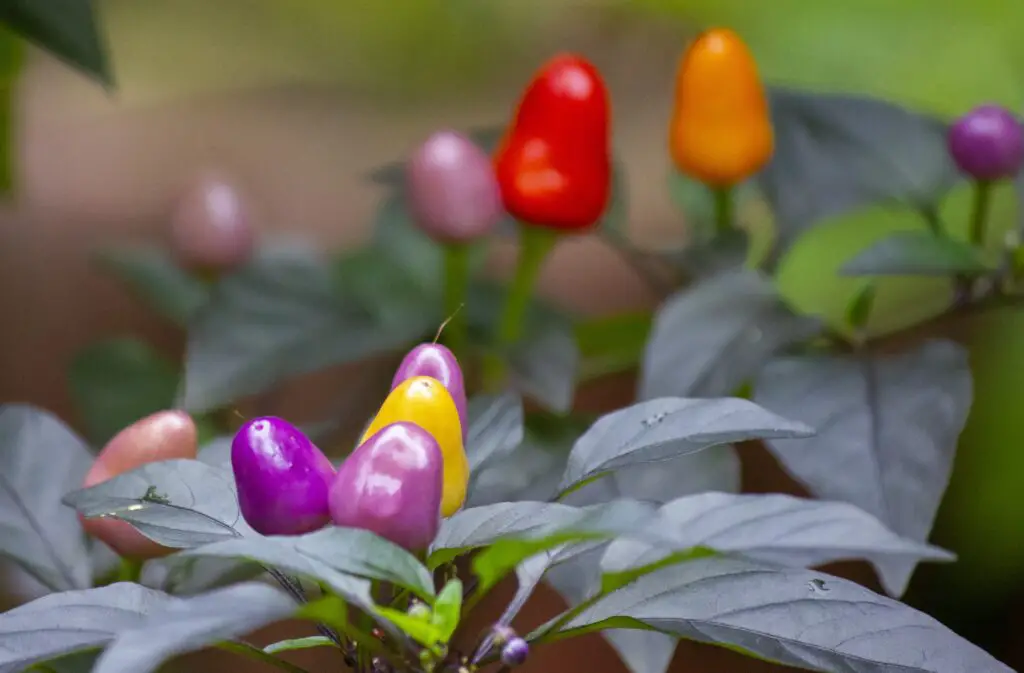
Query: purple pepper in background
[
  {"x": 283, "y": 479},
  {"x": 515, "y": 652},
  {"x": 437, "y": 362},
  {"x": 451, "y": 189},
  {"x": 987, "y": 143},
  {"x": 210, "y": 229},
  {"x": 391, "y": 485}
]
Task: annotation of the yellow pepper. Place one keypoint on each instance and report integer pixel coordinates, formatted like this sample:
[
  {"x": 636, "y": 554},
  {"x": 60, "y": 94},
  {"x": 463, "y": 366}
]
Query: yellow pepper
[
  {"x": 721, "y": 131},
  {"x": 425, "y": 401}
]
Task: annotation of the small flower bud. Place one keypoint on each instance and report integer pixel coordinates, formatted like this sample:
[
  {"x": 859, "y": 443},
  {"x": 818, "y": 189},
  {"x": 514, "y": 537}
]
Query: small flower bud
[
  {"x": 210, "y": 230},
  {"x": 283, "y": 480},
  {"x": 502, "y": 634},
  {"x": 165, "y": 435},
  {"x": 391, "y": 485},
  {"x": 514, "y": 652},
  {"x": 452, "y": 191},
  {"x": 987, "y": 143},
  {"x": 437, "y": 362}
]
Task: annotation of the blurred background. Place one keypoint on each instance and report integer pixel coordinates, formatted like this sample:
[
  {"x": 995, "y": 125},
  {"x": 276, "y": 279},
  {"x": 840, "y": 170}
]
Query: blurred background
[{"x": 295, "y": 101}]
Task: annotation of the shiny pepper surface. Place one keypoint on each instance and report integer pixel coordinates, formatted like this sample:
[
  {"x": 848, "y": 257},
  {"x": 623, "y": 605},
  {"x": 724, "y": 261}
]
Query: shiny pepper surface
[
  {"x": 721, "y": 131},
  {"x": 424, "y": 401},
  {"x": 553, "y": 164}
]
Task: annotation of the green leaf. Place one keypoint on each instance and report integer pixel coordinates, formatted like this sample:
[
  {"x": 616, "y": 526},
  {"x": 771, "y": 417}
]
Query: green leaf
[
  {"x": 858, "y": 312},
  {"x": 117, "y": 382},
  {"x": 153, "y": 276},
  {"x": 10, "y": 65},
  {"x": 293, "y": 644},
  {"x": 918, "y": 253},
  {"x": 424, "y": 633},
  {"x": 448, "y": 609},
  {"x": 611, "y": 344},
  {"x": 68, "y": 29}
]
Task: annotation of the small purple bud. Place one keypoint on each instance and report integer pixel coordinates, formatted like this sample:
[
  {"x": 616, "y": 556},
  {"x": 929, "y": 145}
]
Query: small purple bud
[
  {"x": 391, "y": 485},
  {"x": 437, "y": 362},
  {"x": 514, "y": 652},
  {"x": 502, "y": 634},
  {"x": 987, "y": 143},
  {"x": 283, "y": 480},
  {"x": 210, "y": 228},
  {"x": 452, "y": 191}
]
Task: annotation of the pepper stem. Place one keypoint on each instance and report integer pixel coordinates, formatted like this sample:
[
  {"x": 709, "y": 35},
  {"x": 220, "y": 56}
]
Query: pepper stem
[
  {"x": 130, "y": 570},
  {"x": 724, "y": 203},
  {"x": 456, "y": 284},
  {"x": 534, "y": 245},
  {"x": 979, "y": 214}
]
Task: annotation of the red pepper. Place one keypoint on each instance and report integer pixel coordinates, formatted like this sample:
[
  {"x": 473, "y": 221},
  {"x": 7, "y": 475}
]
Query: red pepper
[{"x": 554, "y": 165}]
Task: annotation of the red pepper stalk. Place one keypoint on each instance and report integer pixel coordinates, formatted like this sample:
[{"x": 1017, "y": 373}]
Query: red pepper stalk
[{"x": 554, "y": 170}]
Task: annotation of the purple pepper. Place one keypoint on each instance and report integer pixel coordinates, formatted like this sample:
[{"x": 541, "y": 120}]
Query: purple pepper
[
  {"x": 391, "y": 485},
  {"x": 451, "y": 188},
  {"x": 283, "y": 479},
  {"x": 987, "y": 143},
  {"x": 211, "y": 228},
  {"x": 515, "y": 652},
  {"x": 437, "y": 362}
]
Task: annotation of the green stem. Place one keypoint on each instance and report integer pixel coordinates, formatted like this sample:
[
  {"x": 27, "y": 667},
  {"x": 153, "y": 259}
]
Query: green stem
[
  {"x": 724, "y": 204},
  {"x": 255, "y": 653},
  {"x": 534, "y": 245},
  {"x": 979, "y": 213},
  {"x": 130, "y": 570},
  {"x": 456, "y": 284}
]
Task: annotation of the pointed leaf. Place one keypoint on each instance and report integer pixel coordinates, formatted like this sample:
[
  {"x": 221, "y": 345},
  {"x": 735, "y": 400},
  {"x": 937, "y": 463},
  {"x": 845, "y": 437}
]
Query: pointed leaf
[
  {"x": 918, "y": 253},
  {"x": 154, "y": 277},
  {"x": 422, "y": 632},
  {"x": 889, "y": 432},
  {"x": 189, "y": 624},
  {"x": 40, "y": 460},
  {"x": 666, "y": 428},
  {"x": 176, "y": 503},
  {"x": 708, "y": 340},
  {"x": 775, "y": 528},
  {"x": 448, "y": 609},
  {"x": 71, "y": 621},
  {"x": 796, "y": 617},
  {"x": 495, "y": 428},
  {"x": 68, "y": 29}
]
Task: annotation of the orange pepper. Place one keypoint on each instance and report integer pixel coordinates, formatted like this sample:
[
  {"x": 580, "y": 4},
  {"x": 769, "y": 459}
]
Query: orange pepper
[{"x": 721, "y": 131}]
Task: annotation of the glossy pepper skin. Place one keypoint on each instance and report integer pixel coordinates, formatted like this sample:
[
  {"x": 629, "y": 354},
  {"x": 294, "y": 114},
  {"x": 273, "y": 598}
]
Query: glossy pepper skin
[
  {"x": 987, "y": 143},
  {"x": 554, "y": 163},
  {"x": 721, "y": 131},
  {"x": 283, "y": 480},
  {"x": 424, "y": 401},
  {"x": 391, "y": 485},
  {"x": 436, "y": 361},
  {"x": 452, "y": 190}
]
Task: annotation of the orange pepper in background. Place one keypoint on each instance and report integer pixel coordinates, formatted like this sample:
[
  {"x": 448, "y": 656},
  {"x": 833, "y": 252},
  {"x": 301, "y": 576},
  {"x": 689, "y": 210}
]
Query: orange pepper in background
[{"x": 721, "y": 131}]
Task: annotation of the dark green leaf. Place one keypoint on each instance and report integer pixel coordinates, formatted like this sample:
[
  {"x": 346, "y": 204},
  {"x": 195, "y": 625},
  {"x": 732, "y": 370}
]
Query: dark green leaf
[
  {"x": 278, "y": 317},
  {"x": 10, "y": 65},
  {"x": 71, "y": 621},
  {"x": 531, "y": 472},
  {"x": 709, "y": 339},
  {"x": 918, "y": 253},
  {"x": 188, "y": 624},
  {"x": 448, "y": 609},
  {"x": 666, "y": 428},
  {"x": 68, "y": 29},
  {"x": 40, "y": 460},
  {"x": 792, "y": 616},
  {"x": 838, "y": 153},
  {"x": 774, "y": 528},
  {"x": 152, "y": 274},
  {"x": 496, "y": 426},
  {"x": 176, "y": 503},
  {"x": 118, "y": 381},
  {"x": 611, "y": 344},
  {"x": 293, "y": 644},
  {"x": 889, "y": 429},
  {"x": 386, "y": 291}
]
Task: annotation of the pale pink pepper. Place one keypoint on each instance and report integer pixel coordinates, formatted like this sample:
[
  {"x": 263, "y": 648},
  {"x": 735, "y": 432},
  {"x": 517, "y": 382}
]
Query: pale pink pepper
[
  {"x": 211, "y": 229},
  {"x": 437, "y": 362},
  {"x": 451, "y": 189}
]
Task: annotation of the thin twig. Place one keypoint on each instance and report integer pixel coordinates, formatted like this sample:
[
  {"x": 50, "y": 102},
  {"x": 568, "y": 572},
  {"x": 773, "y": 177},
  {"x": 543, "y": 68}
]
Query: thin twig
[{"x": 295, "y": 589}]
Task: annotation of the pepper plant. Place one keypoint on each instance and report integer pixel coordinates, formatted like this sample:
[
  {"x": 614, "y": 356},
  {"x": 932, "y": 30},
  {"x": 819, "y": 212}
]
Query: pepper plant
[{"x": 475, "y": 467}]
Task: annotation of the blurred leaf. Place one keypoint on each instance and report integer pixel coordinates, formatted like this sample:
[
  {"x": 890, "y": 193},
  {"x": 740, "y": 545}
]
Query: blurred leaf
[
  {"x": 611, "y": 344},
  {"x": 710, "y": 338},
  {"x": 68, "y": 29},
  {"x": 176, "y": 503},
  {"x": 190, "y": 624},
  {"x": 71, "y": 621},
  {"x": 496, "y": 428},
  {"x": 888, "y": 433},
  {"x": 665, "y": 428},
  {"x": 773, "y": 528},
  {"x": 118, "y": 381},
  {"x": 791, "y": 616},
  {"x": 918, "y": 253},
  {"x": 838, "y": 153},
  {"x": 10, "y": 65},
  {"x": 294, "y": 644},
  {"x": 858, "y": 313},
  {"x": 40, "y": 460},
  {"x": 152, "y": 274},
  {"x": 385, "y": 290},
  {"x": 280, "y": 316}
]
